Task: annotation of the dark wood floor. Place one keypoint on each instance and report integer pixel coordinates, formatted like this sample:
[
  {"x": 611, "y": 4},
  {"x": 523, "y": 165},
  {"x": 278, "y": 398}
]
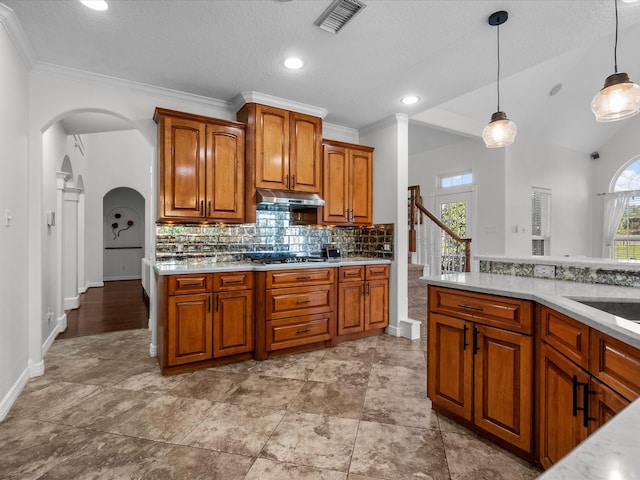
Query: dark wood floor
[{"x": 118, "y": 305}]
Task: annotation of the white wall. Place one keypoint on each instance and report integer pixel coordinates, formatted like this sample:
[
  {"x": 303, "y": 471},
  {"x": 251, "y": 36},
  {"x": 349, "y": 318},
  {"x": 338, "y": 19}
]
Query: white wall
[
  {"x": 532, "y": 163},
  {"x": 14, "y": 189},
  {"x": 115, "y": 159},
  {"x": 617, "y": 152},
  {"x": 488, "y": 170}
]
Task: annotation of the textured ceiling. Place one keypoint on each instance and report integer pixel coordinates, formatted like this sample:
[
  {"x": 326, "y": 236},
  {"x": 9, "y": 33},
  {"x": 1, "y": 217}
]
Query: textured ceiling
[{"x": 441, "y": 50}]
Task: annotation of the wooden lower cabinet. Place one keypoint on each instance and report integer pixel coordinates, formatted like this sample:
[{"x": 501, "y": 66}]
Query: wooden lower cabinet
[
  {"x": 233, "y": 323},
  {"x": 561, "y": 423},
  {"x": 482, "y": 375},
  {"x": 363, "y": 299},
  {"x": 189, "y": 329}
]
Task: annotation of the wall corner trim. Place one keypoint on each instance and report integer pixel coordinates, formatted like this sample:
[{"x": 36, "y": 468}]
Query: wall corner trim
[{"x": 19, "y": 39}]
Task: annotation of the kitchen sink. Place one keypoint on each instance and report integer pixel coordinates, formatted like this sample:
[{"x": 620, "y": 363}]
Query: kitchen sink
[{"x": 627, "y": 310}]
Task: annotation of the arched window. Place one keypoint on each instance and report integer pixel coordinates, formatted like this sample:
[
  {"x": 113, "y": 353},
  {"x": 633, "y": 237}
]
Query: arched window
[{"x": 627, "y": 237}]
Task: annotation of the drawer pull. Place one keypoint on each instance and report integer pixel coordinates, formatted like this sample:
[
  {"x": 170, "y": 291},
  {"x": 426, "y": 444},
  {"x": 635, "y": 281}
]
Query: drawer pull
[
  {"x": 353, "y": 274},
  {"x": 232, "y": 281},
  {"x": 300, "y": 332},
  {"x": 470, "y": 307},
  {"x": 302, "y": 302},
  {"x": 191, "y": 284},
  {"x": 303, "y": 278}
]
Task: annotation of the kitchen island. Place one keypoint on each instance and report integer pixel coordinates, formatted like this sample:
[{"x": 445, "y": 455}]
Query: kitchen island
[{"x": 607, "y": 452}]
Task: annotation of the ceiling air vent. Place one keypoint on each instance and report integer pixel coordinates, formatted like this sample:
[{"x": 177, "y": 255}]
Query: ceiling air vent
[{"x": 338, "y": 14}]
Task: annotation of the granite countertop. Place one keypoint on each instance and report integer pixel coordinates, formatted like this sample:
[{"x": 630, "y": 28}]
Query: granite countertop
[
  {"x": 570, "y": 261},
  {"x": 611, "y": 452},
  {"x": 204, "y": 266}
]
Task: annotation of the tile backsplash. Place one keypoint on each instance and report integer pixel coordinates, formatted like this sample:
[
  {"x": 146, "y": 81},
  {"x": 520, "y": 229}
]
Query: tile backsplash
[{"x": 272, "y": 232}]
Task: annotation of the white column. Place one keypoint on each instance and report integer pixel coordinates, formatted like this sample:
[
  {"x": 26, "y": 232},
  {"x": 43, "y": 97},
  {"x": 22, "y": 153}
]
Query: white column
[
  {"x": 82, "y": 280},
  {"x": 61, "y": 316},
  {"x": 70, "y": 248}
]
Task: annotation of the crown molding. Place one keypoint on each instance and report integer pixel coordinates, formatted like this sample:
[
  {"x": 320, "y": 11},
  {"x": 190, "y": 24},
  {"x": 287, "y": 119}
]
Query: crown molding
[
  {"x": 18, "y": 37},
  {"x": 108, "y": 81},
  {"x": 384, "y": 122},
  {"x": 277, "y": 102},
  {"x": 337, "y": 132}
]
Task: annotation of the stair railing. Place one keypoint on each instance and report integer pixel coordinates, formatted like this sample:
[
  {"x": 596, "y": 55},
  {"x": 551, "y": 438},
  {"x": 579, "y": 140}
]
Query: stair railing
[{"x": 451, "y": 259}]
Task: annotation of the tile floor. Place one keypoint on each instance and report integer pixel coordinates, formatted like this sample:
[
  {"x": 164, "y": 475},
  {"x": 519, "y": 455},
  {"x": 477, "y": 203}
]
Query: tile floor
[{"x": 357, "y": 411}]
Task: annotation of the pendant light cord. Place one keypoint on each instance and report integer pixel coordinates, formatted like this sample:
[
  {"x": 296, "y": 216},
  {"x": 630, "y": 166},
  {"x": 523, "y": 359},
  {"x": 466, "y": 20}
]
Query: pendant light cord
[
  {"x": 498, "y": 79},
  {"x": 615, "y": 46}
]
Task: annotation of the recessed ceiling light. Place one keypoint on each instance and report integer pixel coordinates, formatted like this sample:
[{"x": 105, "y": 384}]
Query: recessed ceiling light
[
  {"x": 99, "y": 5},
  {"x": 293, "y": 63},
  {"x": 410, "y": 100}
]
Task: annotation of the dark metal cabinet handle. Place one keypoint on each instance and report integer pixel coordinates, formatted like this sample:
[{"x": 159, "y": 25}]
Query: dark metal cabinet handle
[
  {"x": 202, "y": 207},
  {"x": 302, "y": 302},
  {"x": 217, "y": 302},
  {"x": 470, "y": 307},
  {"x": 293, "y": 182},
  {"x": 585, "y": 414},
  {"x": 209, "y": 208},
  {"x": 300, "y": 332},
  {"x": 286, "y": 181},
  {"x": 574, "y": 406},
  {"x": 303, "y": 278},
  {"x": 232, "y": 281},
  {"x": 464, "y": 337},
  {"x": 209, "y": 303},
  {"x": 476, "y": 348}
]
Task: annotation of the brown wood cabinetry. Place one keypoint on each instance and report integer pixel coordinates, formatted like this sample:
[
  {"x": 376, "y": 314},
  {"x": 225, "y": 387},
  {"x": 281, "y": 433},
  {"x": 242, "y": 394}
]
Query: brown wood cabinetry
[
  {"x": 295, "y": 309},
  {"x": 363, "y": 300},
  {"x": 203, "y": 318},
  {"x": 585, "y": 378},
  {"x": 284, "y": 151},
  {"x": 479, "y": 373},
  {"x": 201, "y": 168},
  {"x": 348, "y": 183}
]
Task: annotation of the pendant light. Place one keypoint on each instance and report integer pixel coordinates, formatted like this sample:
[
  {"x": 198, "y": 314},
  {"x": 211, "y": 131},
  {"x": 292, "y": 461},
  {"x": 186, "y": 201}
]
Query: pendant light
[
  {"x": 620, "y": 97},
  {"x": 500, "y": 131}
]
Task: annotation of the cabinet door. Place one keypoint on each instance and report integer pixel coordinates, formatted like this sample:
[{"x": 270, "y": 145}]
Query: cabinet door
[
  {"x": 361, "y": 186},
  {"x": 336, "y": 185},
  {"x": 182, "y": 165},
  {"x": 351, "y": 302},
  {"x": 377, "y": 304},
  {"x": 189, "y": 329},
  {"x": 604, "y": 403},
  {"x": 225, "y": 173},
  {"x": 503, "y": 372},
  {"x": 233, "y": 323},
  {"x": 272, "y": 148},
  {"x": 305, "y": 152},
  {"x": 450, "y": 356},
  {"x": 561, "y": 425}
]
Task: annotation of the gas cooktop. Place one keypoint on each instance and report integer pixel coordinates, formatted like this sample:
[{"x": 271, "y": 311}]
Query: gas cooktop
[{"x": 283, "y": 257}]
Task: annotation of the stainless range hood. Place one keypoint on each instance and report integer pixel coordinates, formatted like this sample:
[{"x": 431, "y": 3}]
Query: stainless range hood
[{"x": 266, "y": 196}]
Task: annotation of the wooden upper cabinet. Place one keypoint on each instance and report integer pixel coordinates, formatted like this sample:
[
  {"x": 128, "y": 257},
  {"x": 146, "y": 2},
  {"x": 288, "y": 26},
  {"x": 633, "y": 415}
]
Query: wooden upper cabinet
[
  {"x": 201, "y": 163},
  {"x": 284, "y": 151},
  {"x": 347, "y": 183}
]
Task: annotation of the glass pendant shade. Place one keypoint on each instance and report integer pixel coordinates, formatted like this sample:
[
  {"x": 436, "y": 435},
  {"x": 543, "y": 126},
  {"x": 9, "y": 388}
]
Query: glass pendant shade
[
  {"x": 618, "y": 99},
  {"x": 499, "y": 132}
]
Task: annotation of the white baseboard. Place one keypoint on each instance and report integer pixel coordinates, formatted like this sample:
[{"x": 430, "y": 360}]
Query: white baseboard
[
  {"x": 95, "y": 284},
  {"x": 83, "y": 289},
  {"x": 129, "y": 277},
  {"x": 153, "y": 350},
  {"x": 410, "y": 328},
  {"x": 13, "y": 393},
  {"x": 51, "y": 338},
  {"x": 36, "y": 369},
  {"x": 71, "y": 303},
  {"x": 62, "y": 323}
]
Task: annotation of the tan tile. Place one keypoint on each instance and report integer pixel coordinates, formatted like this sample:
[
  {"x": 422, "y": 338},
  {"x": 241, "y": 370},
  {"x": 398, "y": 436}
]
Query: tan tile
[
  {"x": 398, "y": 452},
  {"x": 104, "y": 409},
  {"x": 386, "y": 406},
  {"x": 264, "y": 469},
  {"x": 358, "y": 351},
  {"x": 109, "y": 457},
  {"x": 400, "y": 343},
  {"x": 269, "y": 392},
  {"x": 469, "y": 456},
  {"x": 298, "y": 367},
  {"x": 50, "y": 400},
  {"x": 239, "y": 429},
  {"x": 214, "y": 385},
  {"x": 398, "y": 379},
  {"x": 334, "y": 399},
  {"x": 342, "y": 371},
  {"x": 166, "y": 419},
  {"x": 197, "y": 464},
  {"x": 153, "y": 382},
  {"x": 413, "y": 359},
  {"x": 313, "y": 440},
  {"x": 29, "y": 448}
]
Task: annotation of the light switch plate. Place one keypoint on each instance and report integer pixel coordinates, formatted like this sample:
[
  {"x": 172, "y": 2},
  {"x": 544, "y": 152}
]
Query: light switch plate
[{"x": 544, "y": 271}]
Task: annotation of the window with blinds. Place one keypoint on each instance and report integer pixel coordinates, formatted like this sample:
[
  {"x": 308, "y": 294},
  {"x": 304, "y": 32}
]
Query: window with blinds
[{"x": 540, "y": 221}]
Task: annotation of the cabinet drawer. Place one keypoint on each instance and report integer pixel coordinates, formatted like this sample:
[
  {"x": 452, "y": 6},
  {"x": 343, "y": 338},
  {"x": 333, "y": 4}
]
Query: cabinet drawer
[
  {"x": 568, "y": 336},
  {"x": 377, "y": 271},
  {"x": 292, "y": 332},
  {"x": 232, "y": 281},
  {"x": 295, "y": 278},
  {"x": 502, "y": 312},
  {"x": 286, "y": 302},
  {"x": 351, "y": 274},
  {"x": 187, "y": 284},
  {"x": 616, "y": 364}
]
